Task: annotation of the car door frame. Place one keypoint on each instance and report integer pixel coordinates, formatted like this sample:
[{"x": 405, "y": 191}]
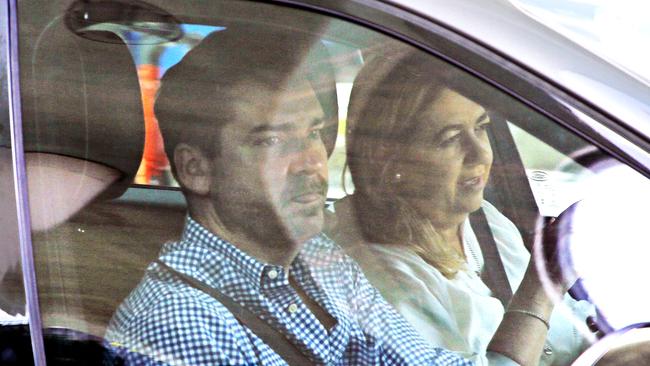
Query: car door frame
[
  {"x": 515, "y": 79},
  {"x": 9, "y": 15}
]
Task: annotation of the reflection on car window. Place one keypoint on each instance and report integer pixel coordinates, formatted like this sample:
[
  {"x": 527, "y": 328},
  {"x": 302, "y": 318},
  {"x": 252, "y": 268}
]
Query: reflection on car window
[
  {"x": 363, "y": 199},
  {"x": 249, "y": 118},
  {"x": 420, "y": 156},
  {"x": 556, "y": 181},
  {"x": 12, "y": 299},
  {"x": 248, "y": 115},
  {"x": 154, "y": 58}
]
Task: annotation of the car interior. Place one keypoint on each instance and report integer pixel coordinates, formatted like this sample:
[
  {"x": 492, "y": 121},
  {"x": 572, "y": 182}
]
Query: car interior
[{"x": 94, "y": 230}]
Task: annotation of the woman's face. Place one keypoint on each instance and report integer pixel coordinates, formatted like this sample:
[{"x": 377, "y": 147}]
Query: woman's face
[{"x": 446, "y": 169}]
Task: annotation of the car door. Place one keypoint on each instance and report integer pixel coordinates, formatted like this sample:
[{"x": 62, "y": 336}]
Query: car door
[{"x": 79, "y": 266}]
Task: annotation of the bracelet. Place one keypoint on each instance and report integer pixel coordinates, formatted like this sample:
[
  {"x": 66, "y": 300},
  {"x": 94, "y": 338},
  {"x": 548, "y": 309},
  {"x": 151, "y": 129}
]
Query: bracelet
[{"x": 530, "y": 313}]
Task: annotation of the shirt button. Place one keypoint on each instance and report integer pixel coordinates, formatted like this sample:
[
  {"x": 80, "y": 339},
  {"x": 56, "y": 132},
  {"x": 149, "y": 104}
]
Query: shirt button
[
  {"x": 292, "y": 308},
  {"x": 548, "y": 350},
  {"x": 273, "y": 274}
]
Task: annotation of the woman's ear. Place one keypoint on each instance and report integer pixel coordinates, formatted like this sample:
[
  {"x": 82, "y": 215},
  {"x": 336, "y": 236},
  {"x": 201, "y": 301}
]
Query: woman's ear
[{"x": 193, "y": 169}]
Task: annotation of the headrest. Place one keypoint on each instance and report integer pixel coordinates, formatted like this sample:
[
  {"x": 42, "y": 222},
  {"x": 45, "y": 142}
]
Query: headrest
[{"x": 81, "y": 99}]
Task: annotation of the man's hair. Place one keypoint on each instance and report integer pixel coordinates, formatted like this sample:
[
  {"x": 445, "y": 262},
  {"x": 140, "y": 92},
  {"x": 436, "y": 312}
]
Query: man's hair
[{"x": 199, "y": 95}]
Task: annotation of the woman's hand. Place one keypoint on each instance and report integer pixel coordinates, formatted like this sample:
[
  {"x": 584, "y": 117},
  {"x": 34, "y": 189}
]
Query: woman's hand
[
  {"x": 551, "y": 253},
  {"x": 522, "y": 333}
]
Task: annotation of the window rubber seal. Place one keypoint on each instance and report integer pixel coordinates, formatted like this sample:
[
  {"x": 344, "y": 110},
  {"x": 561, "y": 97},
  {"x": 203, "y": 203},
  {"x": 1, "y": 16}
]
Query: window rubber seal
[{"x": 9, "y": 11}]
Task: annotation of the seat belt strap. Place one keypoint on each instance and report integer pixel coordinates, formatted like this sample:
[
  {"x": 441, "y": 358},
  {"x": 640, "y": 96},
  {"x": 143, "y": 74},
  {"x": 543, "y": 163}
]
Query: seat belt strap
[
  {"x": 272, "y": 337},
  {"x": 493, "y": 274}
]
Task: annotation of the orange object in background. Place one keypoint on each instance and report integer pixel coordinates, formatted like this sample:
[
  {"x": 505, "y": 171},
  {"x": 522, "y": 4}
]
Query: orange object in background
[{"x": 154, "y": 168}]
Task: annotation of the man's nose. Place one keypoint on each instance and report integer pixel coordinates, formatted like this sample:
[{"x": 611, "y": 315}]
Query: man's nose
[{"x": 309, "y": 158}]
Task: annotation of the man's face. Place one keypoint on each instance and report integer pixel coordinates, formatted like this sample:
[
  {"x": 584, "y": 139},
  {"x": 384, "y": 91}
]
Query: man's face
[{"x": 269, "y": 176}]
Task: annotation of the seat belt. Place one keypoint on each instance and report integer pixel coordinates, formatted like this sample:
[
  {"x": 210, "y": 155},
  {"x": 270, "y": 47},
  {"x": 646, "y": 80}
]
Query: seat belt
[
  {"x": 509, "y": 188},
  {"x": 493, "y": 274},
  {"x": 273, "y": 338}
]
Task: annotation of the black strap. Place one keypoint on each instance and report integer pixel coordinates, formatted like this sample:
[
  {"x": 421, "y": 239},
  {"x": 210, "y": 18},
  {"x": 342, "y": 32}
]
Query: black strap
[
  {"x": 273, "y": 338},
  {"x": 494, "y": 274},
  {"x": 509, "y": 188}
]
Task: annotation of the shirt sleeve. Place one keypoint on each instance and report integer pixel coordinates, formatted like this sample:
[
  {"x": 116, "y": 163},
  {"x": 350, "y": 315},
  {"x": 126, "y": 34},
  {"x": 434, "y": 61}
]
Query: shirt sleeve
[
  {"x": 178, "y": 331},
  {"x": 428, "y": 311},
  {"x": 445, "y": 313},
  {"x": 400, "y": 344},
  {"x": 565, "y": 340},
  {"x": 496, "y": 358}
]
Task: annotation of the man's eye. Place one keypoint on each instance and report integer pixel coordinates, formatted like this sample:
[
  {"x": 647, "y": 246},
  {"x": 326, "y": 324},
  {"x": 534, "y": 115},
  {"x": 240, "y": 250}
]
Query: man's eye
[
  {"x": 315, "y": 134},
  {"x": 448, "y": 140},
  {"x": 483, "y": 126},
  {"x": 268, "y": 141}
]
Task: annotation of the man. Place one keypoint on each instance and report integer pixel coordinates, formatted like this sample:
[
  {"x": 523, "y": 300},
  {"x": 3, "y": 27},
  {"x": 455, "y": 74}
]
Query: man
[{"x": 242, "y": 122}]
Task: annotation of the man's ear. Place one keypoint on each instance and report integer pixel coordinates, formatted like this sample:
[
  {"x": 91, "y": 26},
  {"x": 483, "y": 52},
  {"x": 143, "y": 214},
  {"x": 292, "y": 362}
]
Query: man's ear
[{"x": 193, "y": 169}]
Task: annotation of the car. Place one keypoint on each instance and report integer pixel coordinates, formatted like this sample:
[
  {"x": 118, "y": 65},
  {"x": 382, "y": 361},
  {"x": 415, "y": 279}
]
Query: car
[{"x": 89, "y": 195}]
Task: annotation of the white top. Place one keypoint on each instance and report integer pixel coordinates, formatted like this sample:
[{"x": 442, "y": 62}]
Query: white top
[{"x": 460, "y": 314}]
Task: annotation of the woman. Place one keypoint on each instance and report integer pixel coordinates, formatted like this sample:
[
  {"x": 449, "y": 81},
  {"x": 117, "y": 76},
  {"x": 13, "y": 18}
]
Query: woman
[{"x": 420, "y": 157}]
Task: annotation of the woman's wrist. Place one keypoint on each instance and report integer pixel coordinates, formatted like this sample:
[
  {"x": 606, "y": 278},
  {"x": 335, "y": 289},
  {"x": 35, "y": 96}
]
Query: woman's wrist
[
  {"x": 532, "y": 314},
  {"x": 520, "y": 337},
  {"x": 522, "y": 332},
  {"x": 531, "y": 295}
]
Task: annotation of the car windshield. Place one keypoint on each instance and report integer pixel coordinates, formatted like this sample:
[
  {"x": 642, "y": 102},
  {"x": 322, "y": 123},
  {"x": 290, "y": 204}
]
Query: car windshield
[{"x": 612, "y": 30}]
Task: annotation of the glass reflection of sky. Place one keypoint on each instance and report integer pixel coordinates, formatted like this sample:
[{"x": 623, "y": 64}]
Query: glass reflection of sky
[
  {"x": 610, "y": 245},
  {"x": 173, "y": 55},
  {"x": 618, "y": 31},
  {"x": 168, "y": 54}
]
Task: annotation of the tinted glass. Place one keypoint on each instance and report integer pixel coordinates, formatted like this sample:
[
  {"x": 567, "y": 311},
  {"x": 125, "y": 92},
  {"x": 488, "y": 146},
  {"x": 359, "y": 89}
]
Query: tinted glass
[
  {"x": 104, "y": 199},
  {"x": 416, "y": 148}
]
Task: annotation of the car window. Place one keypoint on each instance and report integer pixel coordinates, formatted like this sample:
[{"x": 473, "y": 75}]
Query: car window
[
  {"x": 153, "y": 60},
  {"x": 426, "y": 163},
  {"x": 428, "y": 166},
  {"x": 607, "y": 30},
  {"x": 90, "y": 90}
]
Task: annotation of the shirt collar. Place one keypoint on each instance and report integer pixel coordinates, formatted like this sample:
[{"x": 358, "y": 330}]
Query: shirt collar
[{"x": 224, "y": 257}]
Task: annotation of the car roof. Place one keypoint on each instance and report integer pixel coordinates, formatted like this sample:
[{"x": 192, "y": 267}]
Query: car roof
[{"x": 502, "y": 27}]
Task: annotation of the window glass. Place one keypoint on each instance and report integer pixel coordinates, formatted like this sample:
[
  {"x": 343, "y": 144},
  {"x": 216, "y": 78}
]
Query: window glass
[
  {"x": 556, "y": 181},
  {"x": 153, "y": 58},
  {"x": 263, "y": 124},
  {"x": 103, "y": 194}
]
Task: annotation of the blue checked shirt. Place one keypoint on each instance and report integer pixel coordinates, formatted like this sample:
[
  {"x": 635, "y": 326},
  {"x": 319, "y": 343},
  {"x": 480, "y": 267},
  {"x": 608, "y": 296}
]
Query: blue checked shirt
[{"x": 164, "y": 321}]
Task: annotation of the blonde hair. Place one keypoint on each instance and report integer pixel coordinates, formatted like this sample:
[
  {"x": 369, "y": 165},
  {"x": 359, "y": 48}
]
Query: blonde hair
[{"x": 388, "y": 96}]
